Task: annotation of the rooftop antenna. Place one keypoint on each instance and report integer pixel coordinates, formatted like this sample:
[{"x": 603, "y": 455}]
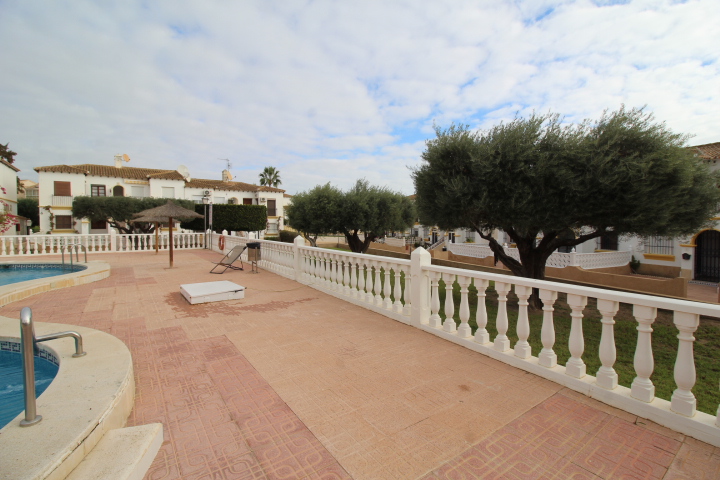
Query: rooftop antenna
[{"x": 229, "y": 165}]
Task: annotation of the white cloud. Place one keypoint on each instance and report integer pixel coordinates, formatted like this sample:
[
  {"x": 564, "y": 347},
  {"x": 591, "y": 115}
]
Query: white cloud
[{"x": 331, "y": 90}]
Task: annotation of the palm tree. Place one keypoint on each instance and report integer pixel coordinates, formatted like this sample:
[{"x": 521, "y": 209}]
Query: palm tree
[{"x": 270, "y": 177}]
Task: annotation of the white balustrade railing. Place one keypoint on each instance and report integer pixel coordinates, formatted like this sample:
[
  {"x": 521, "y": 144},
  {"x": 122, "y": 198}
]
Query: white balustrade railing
[
  {"x": 410, "y": 291},
  {"x": 31, "y": 245},
  {"x": 588, "y": 261}
]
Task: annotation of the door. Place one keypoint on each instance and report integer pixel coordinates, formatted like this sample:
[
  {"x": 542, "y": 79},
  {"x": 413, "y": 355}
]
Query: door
[
  {"x": 707, "y": 256},
  {"x": 271, "y": 208}
]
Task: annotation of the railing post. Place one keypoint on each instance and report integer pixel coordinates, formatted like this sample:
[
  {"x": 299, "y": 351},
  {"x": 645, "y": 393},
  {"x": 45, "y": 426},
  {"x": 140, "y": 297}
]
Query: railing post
[
  {"x": 297, "y": 259},
  {"x": 113, "y": 241},
  {"x": 682, "y": 400},
  {"x": 419, "y": 287},
  {"x": 642, "y": 387}
]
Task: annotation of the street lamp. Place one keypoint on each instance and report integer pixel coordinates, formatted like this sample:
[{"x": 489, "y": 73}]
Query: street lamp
[{"x": 205, "y": 200}]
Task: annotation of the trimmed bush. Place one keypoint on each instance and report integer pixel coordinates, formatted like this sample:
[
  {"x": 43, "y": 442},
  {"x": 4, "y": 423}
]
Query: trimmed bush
[{"x": 248, "y": 218}]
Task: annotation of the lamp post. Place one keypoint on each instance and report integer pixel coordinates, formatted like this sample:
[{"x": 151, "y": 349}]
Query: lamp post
[{"x": 205, "y": 200}]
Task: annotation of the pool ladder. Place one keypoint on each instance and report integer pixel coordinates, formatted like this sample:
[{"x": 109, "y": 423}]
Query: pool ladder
[
  {"x": 28, "y": 348},
  {"x": 78, "y": 247}
]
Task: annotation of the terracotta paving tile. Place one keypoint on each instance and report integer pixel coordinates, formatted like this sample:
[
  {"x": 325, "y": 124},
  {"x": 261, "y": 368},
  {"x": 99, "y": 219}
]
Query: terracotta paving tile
[{"x": 290, "y": 383}]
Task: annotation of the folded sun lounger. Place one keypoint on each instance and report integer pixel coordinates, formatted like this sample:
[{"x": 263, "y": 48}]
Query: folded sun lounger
[{"x": 231, "y": 257}]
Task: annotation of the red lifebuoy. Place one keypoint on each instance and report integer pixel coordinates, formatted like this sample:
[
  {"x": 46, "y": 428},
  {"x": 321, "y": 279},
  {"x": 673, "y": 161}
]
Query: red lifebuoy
[{"x": 221, "y": 243}]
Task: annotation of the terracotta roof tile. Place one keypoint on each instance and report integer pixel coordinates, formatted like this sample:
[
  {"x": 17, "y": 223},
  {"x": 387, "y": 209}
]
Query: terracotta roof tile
[
  {"x": 111, "y": 171},
  {"x": 231, "y": 186},
  {"x": 709, "y": 151},
  {"x": 8, "y": 164}
]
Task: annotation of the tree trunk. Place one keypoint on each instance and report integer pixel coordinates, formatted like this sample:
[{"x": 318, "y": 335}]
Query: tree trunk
[{"x": 356, "y": 245}]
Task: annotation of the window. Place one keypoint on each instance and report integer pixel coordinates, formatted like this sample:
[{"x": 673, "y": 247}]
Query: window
[
  {"x": 247, "y": 201},
  {"x": 97, "y": 190},
  {"x": 62, "y": 189},
  {"x": 271, "y": 208},
  {"x": 63, "y": 222},
  {"x": 137, "y": 192},
  {"x": 659, "y": 245},
  {"x": 217, "y": 200},
  {"x": 98, "y": 225},
  {"x": 608, "y": 241},
  {"x": 168, "y": 192},
  {"x": 118, "y": 191}
]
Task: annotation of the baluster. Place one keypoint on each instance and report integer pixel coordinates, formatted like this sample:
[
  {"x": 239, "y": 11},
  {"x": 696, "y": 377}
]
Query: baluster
[
  {"x": 464, "y": 331},
  {"x": 435, "y": 320},
  {"x": 397, "y": 291},
  {"x": 310, "y": 260},
  {"x": 606, "y": 376},
  {"x": 575, "y": 366},
  {"x": 387, "y": 292},
  {"x": 324, "y": 269},
  {"x": 338, "y": 273},
  {"x": 682, "y": 400},
  {"x": 362, "y": 274},
  {"x": 522, "y": 347},
  {"x": 502, "y": 343},
  {"x": 449, "y": 324},
  {"x": 346, "y": 278},
  {"x": 353, "y": 279},
  {"x": 547, "y": 357},
  {"x": 3, "y": 247},
  {"x": 481, "y": 334},
  {"x": 377, "y": 287},
  {"x": 642, "y": 387},
  {"x": 406, "y": 292}
]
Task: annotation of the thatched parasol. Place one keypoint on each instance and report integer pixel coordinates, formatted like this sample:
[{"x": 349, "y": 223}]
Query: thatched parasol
[{"x": 168, "y": 211}]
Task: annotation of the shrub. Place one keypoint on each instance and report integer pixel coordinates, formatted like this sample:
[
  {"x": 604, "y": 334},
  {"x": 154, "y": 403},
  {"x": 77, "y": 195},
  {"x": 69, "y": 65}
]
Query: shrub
[{"x": 288, "y": 236}]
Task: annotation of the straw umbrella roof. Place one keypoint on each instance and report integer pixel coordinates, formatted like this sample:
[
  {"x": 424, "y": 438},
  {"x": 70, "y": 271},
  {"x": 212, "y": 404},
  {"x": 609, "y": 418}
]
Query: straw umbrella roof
[{"x": 170, "y": 209}]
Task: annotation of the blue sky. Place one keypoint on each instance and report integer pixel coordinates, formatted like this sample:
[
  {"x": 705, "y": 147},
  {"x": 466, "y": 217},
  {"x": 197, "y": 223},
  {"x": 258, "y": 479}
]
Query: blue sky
[{"x": 333, "y": 91}]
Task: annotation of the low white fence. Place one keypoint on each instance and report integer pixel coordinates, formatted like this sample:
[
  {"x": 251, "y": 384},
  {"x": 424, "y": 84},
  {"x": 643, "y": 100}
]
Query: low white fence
[
  {"x": 32, "y": 245},
  {"x": 588, "y": 261},
  {"x": 408, "y": 291},
  {"x": 394, "y": 242}
]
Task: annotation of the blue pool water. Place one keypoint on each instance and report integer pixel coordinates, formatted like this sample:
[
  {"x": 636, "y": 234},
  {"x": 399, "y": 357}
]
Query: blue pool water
[
  {"x": 21, "y": 272},
  {"x": 12, "y": 400}
]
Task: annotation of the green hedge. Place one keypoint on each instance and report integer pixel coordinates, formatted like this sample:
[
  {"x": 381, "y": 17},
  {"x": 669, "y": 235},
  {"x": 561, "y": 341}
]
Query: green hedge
[{"x": 250, "y": 218}]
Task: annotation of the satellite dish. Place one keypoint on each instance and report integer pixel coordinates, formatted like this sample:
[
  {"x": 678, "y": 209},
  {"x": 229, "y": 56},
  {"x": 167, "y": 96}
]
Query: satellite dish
[
  {"x": 125, "y": 157},
  {"x": 183, "y": 170}
]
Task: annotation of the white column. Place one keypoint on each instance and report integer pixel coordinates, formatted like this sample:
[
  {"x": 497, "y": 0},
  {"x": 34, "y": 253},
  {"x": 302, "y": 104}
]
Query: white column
[
  {"x": 502, "y": 343},
  {"x": 682, "y": 400},
  {"x": 522, "y": 347},
  {"x": 361, "y": 281},
  {"x": 464, "y": 331},
  {"x": 642, "y": 387},
  {"x": 377, "y": 287},
  {"x": 353, "y": 279},
  {"x": 435, "y": 320},
  {"x": 407, "y": 291},
  {"x": 547, "y": 357},
  {"x": 449, "y": 324},
  {"x": 419, "y": 291},
  {"x": 575, "y": 367},
  {"x": 481, "y": 334},
  {"x": 606, "y": 376}
]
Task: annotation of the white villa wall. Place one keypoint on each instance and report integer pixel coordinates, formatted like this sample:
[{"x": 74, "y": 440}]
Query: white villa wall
[{"x": 8, "y": 180}]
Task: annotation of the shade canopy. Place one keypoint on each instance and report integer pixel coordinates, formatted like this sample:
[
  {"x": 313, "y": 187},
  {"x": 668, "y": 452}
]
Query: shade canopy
[{"x": 170, "y": 209}]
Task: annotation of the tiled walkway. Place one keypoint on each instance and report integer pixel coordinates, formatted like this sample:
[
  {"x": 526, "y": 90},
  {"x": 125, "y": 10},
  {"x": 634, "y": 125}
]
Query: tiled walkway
[{"x": 291, "y": 383}]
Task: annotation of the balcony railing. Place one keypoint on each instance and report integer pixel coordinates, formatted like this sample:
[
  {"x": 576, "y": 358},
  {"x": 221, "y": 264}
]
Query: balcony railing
[
  {"x": 61, "y": 201},
  {"x": 409, "y": 291},
  {"x": 30, "y": 245}
]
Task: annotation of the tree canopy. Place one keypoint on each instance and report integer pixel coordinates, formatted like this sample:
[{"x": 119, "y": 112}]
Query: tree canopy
[
  {"x": 118, "y": 211},
  {"x": 364, "y": 209},
  {"x": 270, "y": 176},
  {"x": 549, "y": 184},
  {"x": 7, "y": 154}
]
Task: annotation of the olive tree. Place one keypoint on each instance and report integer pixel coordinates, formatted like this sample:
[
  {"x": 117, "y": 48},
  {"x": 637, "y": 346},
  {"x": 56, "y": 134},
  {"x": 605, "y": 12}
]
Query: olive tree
[
  {"x": 549, "y": 184},
  {"x": 118, "y": 211},
  {"x": 364, "y": 210}
]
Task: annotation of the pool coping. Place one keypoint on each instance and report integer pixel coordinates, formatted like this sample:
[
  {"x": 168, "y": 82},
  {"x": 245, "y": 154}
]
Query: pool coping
[
  {"x": 17, "y": 291},
  {"x": 90, "y": 396}
]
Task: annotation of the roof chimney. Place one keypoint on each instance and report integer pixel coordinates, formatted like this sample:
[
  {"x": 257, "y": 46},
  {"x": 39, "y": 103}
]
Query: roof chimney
[
  {"x": 226, "y": 176},
  {"x": 119, "y": 159}
]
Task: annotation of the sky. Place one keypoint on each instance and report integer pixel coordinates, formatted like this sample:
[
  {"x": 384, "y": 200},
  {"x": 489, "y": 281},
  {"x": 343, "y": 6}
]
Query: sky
[{"x": 334, "y": 91}]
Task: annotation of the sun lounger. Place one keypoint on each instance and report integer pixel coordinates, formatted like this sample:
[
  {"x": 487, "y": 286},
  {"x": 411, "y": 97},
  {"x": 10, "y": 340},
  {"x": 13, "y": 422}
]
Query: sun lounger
[{"x": 231, "y": 257}]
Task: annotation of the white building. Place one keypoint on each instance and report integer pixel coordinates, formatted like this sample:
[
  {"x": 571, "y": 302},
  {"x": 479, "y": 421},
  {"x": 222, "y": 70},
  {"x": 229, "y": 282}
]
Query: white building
[
  {"x": 8, "y": 192},
  {"x": 59, "y": 184}
]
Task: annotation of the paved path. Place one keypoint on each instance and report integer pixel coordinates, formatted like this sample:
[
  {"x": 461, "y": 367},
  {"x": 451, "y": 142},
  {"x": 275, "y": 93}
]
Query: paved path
[{"x": 291, "y": 383}]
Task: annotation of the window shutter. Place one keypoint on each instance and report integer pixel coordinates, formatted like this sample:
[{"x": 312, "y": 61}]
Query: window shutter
[{"x": 62, "y": 189}]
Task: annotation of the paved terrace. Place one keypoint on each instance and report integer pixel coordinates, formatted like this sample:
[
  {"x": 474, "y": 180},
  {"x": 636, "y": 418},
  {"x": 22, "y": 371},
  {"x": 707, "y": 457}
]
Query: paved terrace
[{"x": 292, "y": 383}]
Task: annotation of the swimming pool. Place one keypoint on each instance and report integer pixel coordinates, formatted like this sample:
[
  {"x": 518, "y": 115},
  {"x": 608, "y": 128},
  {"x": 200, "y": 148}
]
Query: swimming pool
[
  {"x": 21, "y": 272},
  {"x": 12, "y": 400}
]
